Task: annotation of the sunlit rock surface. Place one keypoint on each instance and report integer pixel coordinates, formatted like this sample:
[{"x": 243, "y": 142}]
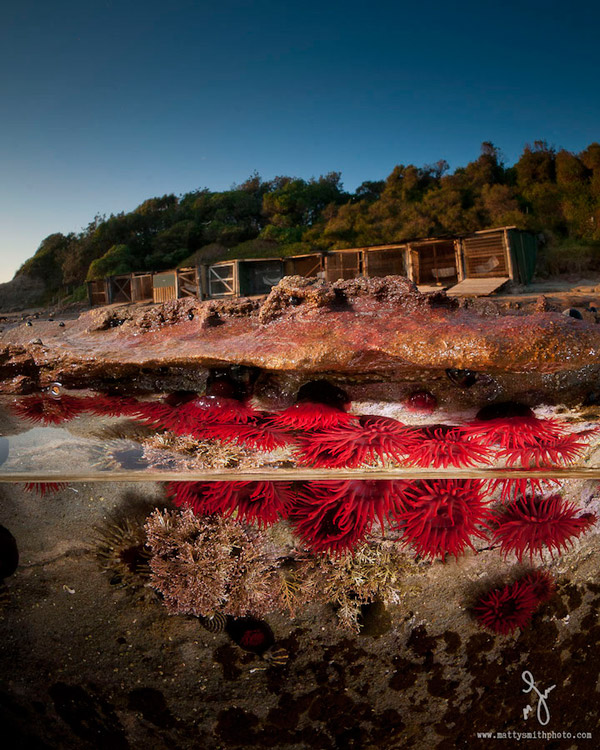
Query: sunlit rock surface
[{"x": 360, "y": 326}]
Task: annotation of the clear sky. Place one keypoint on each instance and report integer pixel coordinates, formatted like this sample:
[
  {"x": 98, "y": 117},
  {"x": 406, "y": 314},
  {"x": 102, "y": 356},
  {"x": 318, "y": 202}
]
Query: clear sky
[{"x": 106, "y": 103}]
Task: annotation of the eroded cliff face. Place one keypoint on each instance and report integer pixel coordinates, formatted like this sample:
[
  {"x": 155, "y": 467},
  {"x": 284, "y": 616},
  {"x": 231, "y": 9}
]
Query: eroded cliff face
[
  {"x": 20, "y": 292},
  {"x": 358, "y": 330}
]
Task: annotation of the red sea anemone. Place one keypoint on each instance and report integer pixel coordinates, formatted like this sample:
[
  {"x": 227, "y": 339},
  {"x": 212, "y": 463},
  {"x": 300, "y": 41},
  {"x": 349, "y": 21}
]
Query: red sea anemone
[
  {"x": 158, "y": 414},
  {"x": 441, "y": 516},
  {"x": 263, "y": 503},
  {"x": 509, "y": 607},
  {"x": 371, "y": 438},
  {"x": 523, "y": 438},
  {"x": 512, "y": 426},
  {"x": 319, "y": 404},
  {"x": 250, "y": 634},
  {"x": 530, "y": 524},
  {"x": 194, "y": 495},
  {"x": 260, "y": 434},
  {"x": 421, "y": 401},
  {"x": 335, "y": 516},
  {"x": 45, "y": 488},
  {"x": 310, "y": 415},
  {"x": 48, "y": 410},
  {"x": 191, "y": 417},
  {"x": 564, "y": 450},
  {"x": 112, "y": 405},
  {"x": 216, "y": 409},
  {"x": 513, "y": 489},
  {"x": 543, "y": 584},
  {"x": 440, "y": 446}
]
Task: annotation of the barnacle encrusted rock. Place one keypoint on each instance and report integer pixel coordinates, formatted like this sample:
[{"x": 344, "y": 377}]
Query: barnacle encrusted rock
[{"x": 354, "y": 327}]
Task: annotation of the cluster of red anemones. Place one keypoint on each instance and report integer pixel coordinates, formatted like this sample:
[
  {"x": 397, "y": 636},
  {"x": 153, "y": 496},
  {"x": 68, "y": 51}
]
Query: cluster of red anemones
[
  {"x": 521, "y": 439},
  {"x": 49, "y": 409},
  {"x": 263, "y": 503},
  {"x": 326, "y": 436},
  {"x": 327, "y": 516},
  {"x": 436, "y": 519}
]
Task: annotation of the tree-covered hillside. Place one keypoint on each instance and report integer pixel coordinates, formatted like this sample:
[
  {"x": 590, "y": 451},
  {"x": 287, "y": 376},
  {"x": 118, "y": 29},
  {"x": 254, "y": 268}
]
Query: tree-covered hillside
[{"x": 549, "y": 191}]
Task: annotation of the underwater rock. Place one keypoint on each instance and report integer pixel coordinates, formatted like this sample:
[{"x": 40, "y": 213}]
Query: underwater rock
[
  {"x": 9, "y": 553},
  {"x": 352, "y": 327}
]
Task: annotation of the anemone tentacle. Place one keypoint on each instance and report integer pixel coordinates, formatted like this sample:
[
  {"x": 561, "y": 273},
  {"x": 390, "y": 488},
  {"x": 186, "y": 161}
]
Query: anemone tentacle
[
  {"x": 441, "y": 517},
  {"x": 372, "y": 438},
  {"x": 531, "y": 524}
]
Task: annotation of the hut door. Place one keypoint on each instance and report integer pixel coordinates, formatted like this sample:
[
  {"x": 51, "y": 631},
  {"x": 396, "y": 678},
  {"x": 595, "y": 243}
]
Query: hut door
[
  {"x": 188, "y": 282},
  {"x": 485, "y": 255},
  {"x": 221, "y": 281},
  {"x": 121, "y": 289}
]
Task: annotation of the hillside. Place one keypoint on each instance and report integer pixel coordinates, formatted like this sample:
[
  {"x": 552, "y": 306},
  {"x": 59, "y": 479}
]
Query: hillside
[{"x": 554, "y": 192}]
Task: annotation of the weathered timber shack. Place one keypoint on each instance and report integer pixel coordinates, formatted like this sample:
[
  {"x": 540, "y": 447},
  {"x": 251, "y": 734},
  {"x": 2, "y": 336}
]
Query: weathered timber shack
[
  {"x": 126, "y": 287},
  {"x": 98, "y": 292},
  {"x": 180, "y": 282},
  {"x": 310, "y": 265},
  {"x": 429, "y": 262},
  {"x": 344, "y": 264},
  {"x": 242, "y": 278},
  {"x": 491, "y": 257}
]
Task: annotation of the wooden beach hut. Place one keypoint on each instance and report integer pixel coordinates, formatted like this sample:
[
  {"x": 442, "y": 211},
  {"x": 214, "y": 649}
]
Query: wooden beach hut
[
  {"x": 310, "y": 265},
  {"x": 122, "y": 288},
  {"x": 434, "y": 263},
  {"x": 176, "y": 283},
  {"x": 491, "y": 257},
  {"x": 119, "y": 288},
  {"x": 98, "y": 292},
  {"x": 141, "y": 287},
  {"x": 385, "y": 260},
  {"x": 243, "y": 278},
  {"x": 343, "y": 264}
]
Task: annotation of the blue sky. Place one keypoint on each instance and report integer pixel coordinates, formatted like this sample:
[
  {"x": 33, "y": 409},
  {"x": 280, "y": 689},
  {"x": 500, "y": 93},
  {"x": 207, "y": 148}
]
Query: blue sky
[{"x": 104, "y": 104}]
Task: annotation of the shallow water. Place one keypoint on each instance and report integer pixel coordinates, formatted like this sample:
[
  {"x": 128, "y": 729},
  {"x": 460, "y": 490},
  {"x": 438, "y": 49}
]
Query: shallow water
[
  {"x": 62, "y": 436},
  {"x": 311, "y": 607}
]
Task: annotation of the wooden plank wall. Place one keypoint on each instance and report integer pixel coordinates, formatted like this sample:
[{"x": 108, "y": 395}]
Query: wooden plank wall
[{"x": 164, "y": 293}]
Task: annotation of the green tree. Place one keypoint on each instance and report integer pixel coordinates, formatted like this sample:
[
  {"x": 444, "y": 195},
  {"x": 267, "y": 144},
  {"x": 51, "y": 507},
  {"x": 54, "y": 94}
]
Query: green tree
[
  {"x": 48, "y": 260},
  {"x": 117, "y": 260}
]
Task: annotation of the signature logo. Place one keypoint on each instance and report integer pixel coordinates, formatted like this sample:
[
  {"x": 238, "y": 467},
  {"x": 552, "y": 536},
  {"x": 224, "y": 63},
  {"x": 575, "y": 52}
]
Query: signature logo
[{"x": 543, "y": 714}]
